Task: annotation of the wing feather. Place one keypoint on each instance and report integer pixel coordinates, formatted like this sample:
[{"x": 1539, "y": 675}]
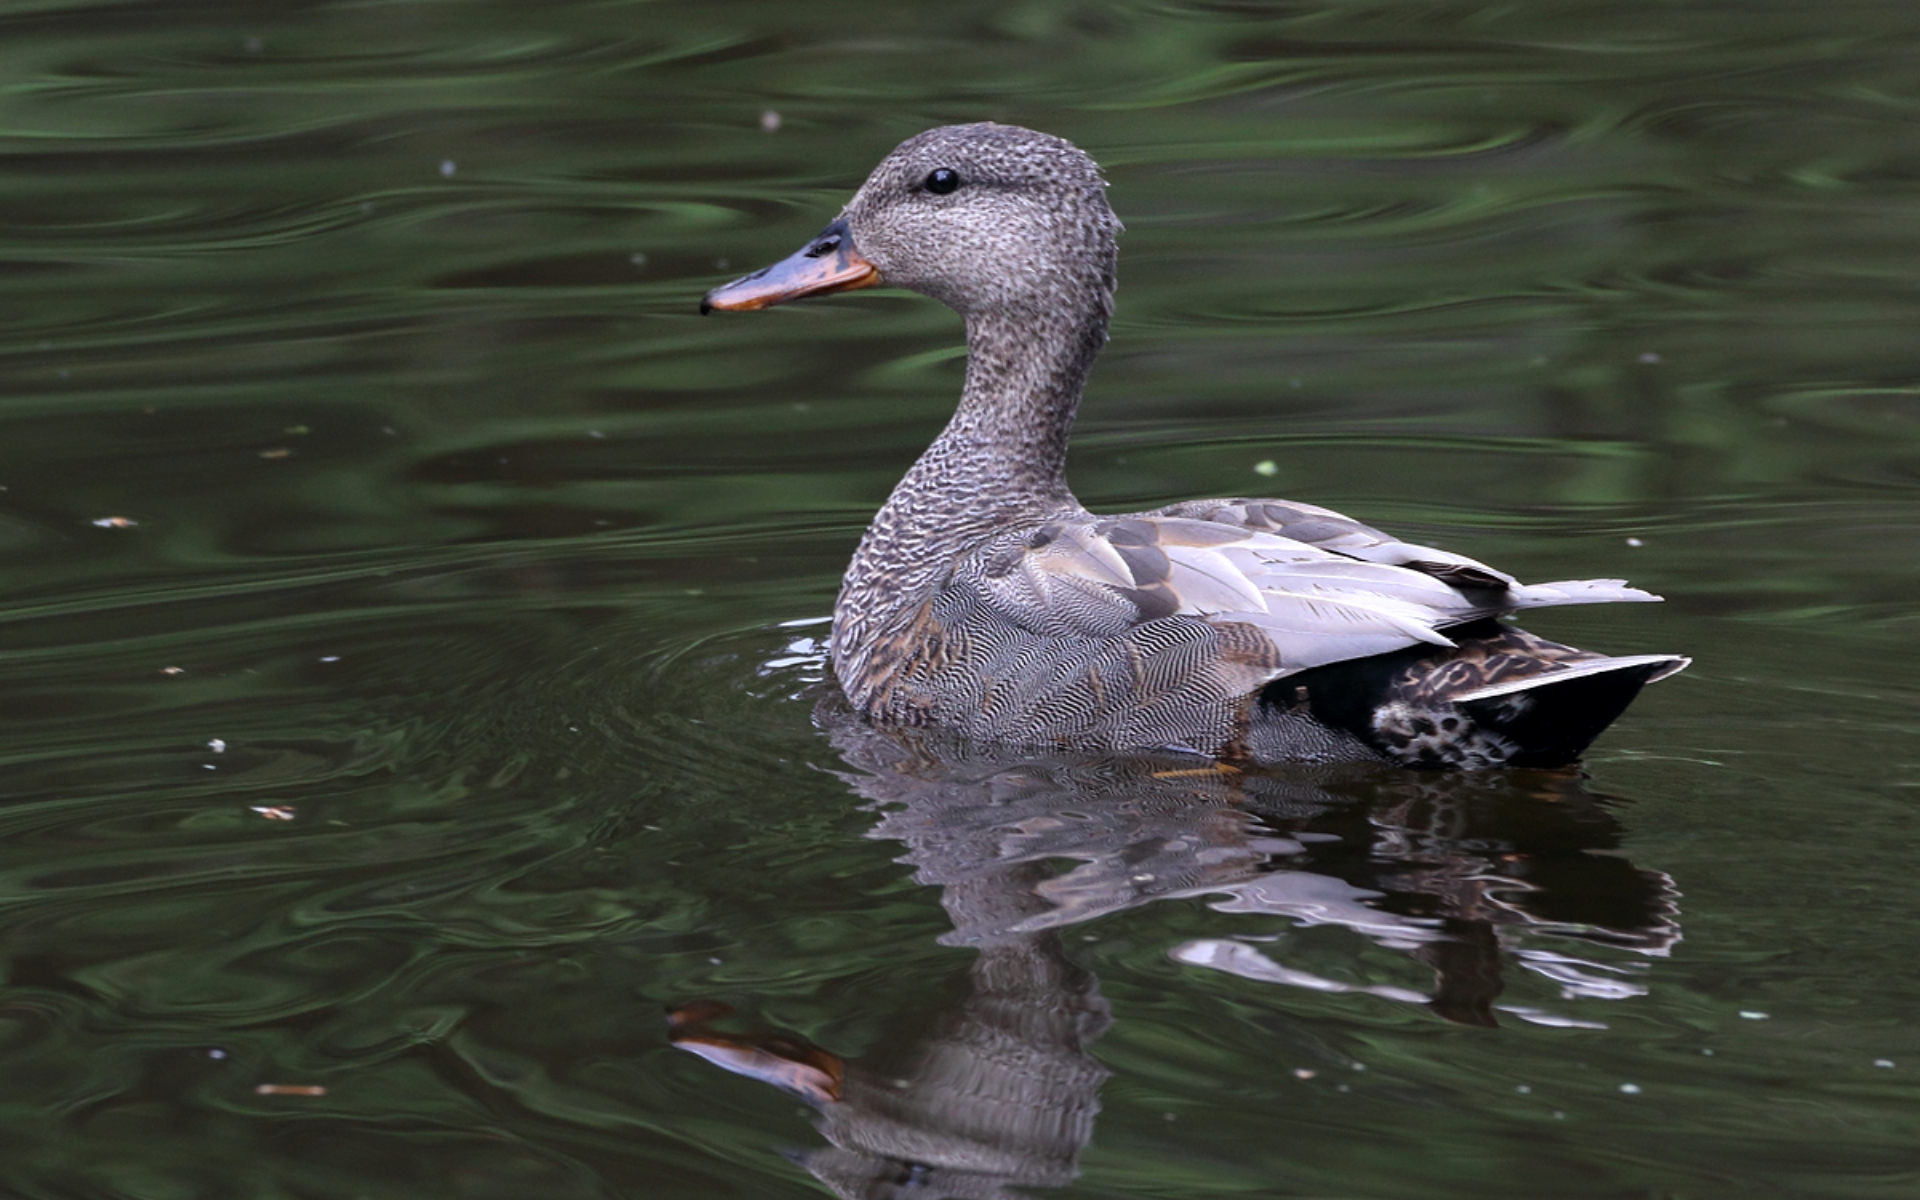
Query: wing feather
[
  {"x": 1318, "y": 586},
  {"x": 1208, "y": 582}
]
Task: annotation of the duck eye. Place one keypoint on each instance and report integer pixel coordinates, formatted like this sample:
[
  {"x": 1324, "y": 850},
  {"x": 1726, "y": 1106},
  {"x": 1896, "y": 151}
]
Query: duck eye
[{"x": 942, "y": 181}]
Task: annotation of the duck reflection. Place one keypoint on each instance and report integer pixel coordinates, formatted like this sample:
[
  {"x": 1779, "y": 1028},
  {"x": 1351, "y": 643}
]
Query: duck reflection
[{"x": 1468, "y": 873}]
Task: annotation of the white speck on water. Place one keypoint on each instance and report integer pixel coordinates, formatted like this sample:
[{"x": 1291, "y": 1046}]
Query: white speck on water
[
  {"x": 598, "y": 435},
  {"x": 330, "y": 658},
  {"x": 173, "y": 670},
  {"x": 1343, "y": 1088},
  {"x": 1169, "y": 1116},
  {"x": 1750, "y": 1015},
  {"x": 1635, "y": 542},
  {"x": 1707, "y": 1050},
  {"x": 253, "y": 45},
  {"x": 115, "y": 523},
  {"x": 210, "y": 766},
  {"x": 216, "y": 1052},
  {"x": 447, "y": 168},
  {"x": 723, "y": 264},
  {"x": 217, "y": 745},
  {"x": 637, "y": 259},
  {"x": 1883, "y": 1063},
  {"x": 1648, "y": 357},
  {"x": 769, "y": 121},
  {"x": 1631, "y": 1089},
  {"x": 714, "y": 961},
  {"x": 1303, "y": 1073},
  {"x": 1523, "y": 1089},
  {"x": 1559, "y": 1116},
  {"x": 1293, "y": 383},
  {"x": 1359, "y": 1066},
  {"x": 1266, "y": 468}
]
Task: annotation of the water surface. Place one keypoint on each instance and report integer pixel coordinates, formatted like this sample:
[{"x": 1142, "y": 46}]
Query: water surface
[{"x": 408, "y": 630}]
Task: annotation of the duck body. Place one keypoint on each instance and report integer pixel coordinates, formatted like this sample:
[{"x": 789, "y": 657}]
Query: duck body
[{"x": 986, "y": 600}]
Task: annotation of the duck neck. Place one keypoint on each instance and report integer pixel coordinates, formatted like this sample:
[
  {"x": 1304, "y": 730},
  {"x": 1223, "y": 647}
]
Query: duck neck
[
  {"x": 1001, "y": 459},
  {"x": 1005, "y": 450}
]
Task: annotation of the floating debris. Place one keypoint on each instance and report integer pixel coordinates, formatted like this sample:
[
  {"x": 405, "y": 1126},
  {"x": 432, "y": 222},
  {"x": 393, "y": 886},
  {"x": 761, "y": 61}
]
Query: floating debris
[
  {"x": 769, "y": 121},
  {"x": 173, "y": 670},
  {"x": 1303, "y": 1073},
  {"x": 447, "y": 168},
  {"x": 217, "y": 745},
  {"x": 273, "y": 812},
  {"x": 1633, "y": 541},
  {"x": 115, "y": 523},
  {"x": 289, "y": 1089},
  {"x": 277, "y": 452},
  {"x": 1266, "y": 467},
  {"x": 1749, "y": 1015},
  {"x": 1631, "y": 1089}
]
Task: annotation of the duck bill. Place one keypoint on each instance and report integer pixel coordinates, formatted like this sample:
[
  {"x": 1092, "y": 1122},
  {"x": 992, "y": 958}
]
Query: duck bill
[{"x": 829, "y": 263}]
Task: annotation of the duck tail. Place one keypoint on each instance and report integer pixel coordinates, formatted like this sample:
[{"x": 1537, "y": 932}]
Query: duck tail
[
  {"x": 1500, "y": 697},
  {"x": 1550, "y": 719}
]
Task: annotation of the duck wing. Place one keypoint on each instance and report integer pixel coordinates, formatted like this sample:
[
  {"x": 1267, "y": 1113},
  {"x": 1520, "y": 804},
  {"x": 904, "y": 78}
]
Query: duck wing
[
  {"x": 1318, "y": 588},
  {"x": 1340, "y": 534}
]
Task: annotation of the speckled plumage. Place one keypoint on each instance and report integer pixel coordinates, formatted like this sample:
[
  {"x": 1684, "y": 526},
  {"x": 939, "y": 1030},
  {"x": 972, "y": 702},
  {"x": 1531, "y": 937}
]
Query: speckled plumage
[{"x": 986, "y": 600}]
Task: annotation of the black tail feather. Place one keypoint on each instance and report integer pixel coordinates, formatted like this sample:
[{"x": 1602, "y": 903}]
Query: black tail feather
[
  {"x": 1430, "y": 706},
  {"x": 1560, "y": 719}
]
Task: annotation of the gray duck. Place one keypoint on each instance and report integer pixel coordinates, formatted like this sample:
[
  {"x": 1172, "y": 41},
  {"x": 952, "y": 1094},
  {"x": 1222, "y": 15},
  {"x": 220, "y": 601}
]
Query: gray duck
[{"x": 986, "y": 600}]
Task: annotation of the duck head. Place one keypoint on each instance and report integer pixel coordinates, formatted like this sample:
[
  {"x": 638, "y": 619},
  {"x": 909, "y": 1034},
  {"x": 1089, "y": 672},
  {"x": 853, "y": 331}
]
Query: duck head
[{"x": 987, "y": 219}]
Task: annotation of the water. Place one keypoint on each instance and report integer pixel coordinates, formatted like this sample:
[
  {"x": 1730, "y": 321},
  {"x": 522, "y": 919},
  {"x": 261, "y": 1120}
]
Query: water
[{"x": 406, "y": 646}]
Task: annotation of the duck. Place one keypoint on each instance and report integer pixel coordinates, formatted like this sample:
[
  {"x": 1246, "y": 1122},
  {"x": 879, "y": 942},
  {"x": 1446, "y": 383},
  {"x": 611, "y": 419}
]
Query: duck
[{"x": 986, "y": 601}]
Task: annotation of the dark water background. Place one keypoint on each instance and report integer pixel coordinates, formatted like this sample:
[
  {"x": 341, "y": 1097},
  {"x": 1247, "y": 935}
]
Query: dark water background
[{"x": 364, "y": 463}]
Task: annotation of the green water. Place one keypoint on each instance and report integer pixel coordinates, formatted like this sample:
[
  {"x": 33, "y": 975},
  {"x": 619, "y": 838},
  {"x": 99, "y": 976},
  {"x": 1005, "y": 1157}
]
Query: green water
[{"x": 406, "y": 657}]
